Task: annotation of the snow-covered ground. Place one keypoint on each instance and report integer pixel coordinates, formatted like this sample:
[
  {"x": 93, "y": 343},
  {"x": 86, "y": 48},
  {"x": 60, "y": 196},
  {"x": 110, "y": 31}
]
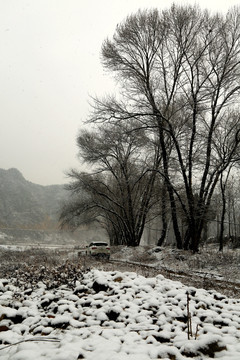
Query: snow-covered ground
[{"x": 112, "y": 315}]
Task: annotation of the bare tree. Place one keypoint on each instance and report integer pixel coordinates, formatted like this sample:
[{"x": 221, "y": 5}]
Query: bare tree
[
  {"x": 178, "y": 72},
  {"x": 119, "y": 188}
]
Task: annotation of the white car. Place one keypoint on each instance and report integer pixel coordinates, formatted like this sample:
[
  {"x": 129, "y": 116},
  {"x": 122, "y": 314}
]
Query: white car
[{"x": 98, "y": 248}]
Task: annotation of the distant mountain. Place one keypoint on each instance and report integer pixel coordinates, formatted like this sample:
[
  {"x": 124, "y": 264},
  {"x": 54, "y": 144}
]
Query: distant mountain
[{"x": 27, "y": 205}]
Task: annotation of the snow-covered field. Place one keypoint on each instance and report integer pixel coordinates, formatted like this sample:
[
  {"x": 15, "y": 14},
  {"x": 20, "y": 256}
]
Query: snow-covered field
[{"x": 112, "y": 315}]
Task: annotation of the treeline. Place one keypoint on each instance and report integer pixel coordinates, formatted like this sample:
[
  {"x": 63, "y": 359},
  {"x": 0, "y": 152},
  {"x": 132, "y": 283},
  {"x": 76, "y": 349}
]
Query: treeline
[{"x": 168, "y": 140}]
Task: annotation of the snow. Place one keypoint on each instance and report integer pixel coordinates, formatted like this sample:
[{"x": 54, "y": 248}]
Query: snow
[{"x": 117, "y": 316}]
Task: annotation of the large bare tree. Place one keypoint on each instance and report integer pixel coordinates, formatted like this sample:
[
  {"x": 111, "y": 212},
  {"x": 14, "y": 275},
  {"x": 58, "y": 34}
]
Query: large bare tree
[{"x": 178, "y": 74}]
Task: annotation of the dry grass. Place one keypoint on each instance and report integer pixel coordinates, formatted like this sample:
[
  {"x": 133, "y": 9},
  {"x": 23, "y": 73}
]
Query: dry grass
[
  {"x": 209, "y": 269},
  {"x": 30, "y": 266}
]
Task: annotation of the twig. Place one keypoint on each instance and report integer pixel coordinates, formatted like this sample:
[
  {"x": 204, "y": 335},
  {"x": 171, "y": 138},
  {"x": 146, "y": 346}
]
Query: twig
[
  {"x": 33, "y": 339},
  {"x": 196, "y": 332},
  {"x": 189, "y": 320}
]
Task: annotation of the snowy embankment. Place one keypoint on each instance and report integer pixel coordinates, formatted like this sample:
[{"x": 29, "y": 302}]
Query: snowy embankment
[{"x": 117, "y": 316}]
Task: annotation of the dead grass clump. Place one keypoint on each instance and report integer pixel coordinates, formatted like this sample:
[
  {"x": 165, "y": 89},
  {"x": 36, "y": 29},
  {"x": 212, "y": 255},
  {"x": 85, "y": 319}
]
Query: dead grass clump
[
  {"x": 141, "y": 255},
  {"x": 29, "y": 267}
]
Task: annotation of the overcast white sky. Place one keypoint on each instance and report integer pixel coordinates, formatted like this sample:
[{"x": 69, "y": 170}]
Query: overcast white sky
[{"x": 49, "y": 67}]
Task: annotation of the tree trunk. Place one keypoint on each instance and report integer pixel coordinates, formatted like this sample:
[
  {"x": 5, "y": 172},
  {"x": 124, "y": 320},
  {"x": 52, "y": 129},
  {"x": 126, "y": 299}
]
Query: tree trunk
[
  {"x": 192, "y": 237},
  {"x": 174, "y": 219},
  {"x": 195, "y": 240},
  {"x": 221, "y": 233},
  {"x": 163, "y": 217},
  {"x": 186, "y": 239},
  {"x": 222, "y": 226}
]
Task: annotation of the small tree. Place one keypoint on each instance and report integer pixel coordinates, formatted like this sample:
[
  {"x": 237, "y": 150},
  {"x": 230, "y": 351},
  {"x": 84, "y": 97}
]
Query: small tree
[{"x": 119, "y": 189}]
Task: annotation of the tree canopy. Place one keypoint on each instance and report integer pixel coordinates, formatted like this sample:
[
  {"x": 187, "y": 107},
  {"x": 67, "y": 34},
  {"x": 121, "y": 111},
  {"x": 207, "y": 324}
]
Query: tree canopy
[{"x": 178, "y": 74}]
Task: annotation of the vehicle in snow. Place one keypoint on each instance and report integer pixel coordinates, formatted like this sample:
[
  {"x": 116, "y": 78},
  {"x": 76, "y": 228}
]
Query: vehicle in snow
[{"x": 98, "y": 248}]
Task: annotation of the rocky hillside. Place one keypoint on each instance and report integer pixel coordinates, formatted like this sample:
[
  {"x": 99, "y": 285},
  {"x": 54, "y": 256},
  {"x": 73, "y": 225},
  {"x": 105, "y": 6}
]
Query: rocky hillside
[{"x": 27, "y": 205}]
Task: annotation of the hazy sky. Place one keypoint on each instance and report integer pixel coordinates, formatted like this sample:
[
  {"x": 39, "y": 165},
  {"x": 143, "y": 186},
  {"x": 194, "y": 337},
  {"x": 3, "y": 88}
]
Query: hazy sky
[{"x": 49, "y": 67}]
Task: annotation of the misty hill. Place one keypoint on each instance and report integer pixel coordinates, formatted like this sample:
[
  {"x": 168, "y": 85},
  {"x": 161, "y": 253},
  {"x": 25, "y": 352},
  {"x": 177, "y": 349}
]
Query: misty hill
[{"x": 27, "y": 205}]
